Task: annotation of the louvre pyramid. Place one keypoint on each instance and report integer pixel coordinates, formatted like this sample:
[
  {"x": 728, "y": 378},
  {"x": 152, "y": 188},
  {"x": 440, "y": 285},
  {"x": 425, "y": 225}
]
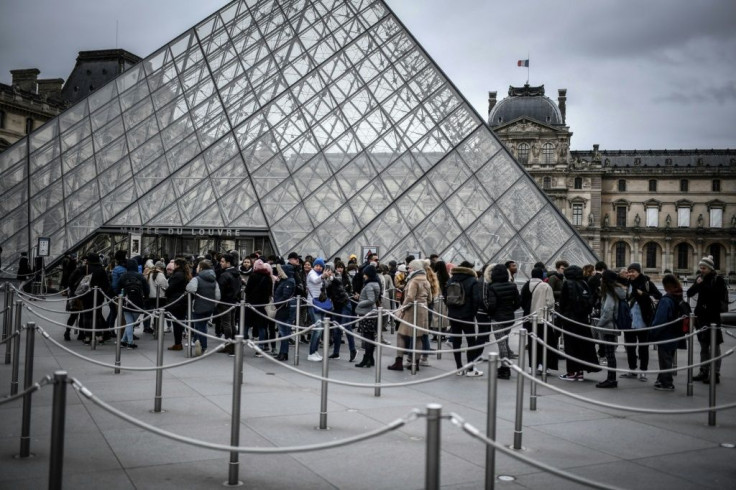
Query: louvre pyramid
[{"x": 322, "y": 121}]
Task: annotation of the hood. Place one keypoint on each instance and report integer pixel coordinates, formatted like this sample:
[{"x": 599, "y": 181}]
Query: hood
[
  {"x": 463, "y": 271},
  {"x": 574, "y": 273},
  {"x": 131, "y": 265},
  {"x": 487, "y": 273},
  {"x": 499, "y": 273},
  {"x": 207, "y": 275}
]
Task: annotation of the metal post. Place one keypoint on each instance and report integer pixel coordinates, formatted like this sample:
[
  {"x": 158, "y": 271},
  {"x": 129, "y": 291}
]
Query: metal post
[
  {"x": 297, "y": 325},
  {"x": 234, "y": 465},
  {"x": 533, "y": 353},
  {"x": 58, "y": 416},
  {"x": 25, "y": 431},
  {"x": 379, "y": 349},
  {"x": 491, "y": 419},
  {"x": 93, "y": 341},
  {"x": 413, "y": 353},
  {"x": 16, "y": 358},
  {"x": 545, "y": 316},
  {"x": 6, "y": 310},
  {"x": 520, "y": 390},
  {"x": 8, "y": 315},
  {"x": 189, "y": 325},
  {"x": 159, "y": 362},
  {"x": 432, "y": 465},
  {"x": 119, "y": 333},
  {"x": 325, "y": 371},
  {"x": 712, "y": 385},
  {"x": 690, "y": 348},
  {"x": 241, "y": 318}
]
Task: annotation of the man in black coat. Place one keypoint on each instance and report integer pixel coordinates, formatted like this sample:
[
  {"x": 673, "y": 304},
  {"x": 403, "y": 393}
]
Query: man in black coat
[
  {"x": 99, "y": 280},
  {"x": 501, "y": 300},
  {"x": 229, "y": 282},
  {"x": 462, "y": 316}
]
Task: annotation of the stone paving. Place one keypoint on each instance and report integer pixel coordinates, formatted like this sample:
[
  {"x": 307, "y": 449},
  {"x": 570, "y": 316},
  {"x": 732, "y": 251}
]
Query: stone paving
[{"x": 281, "y": 407}]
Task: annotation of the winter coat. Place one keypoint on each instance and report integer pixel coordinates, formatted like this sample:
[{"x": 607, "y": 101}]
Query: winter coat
[
  {"x": 502, "y": 297},
  {"x": 571, "y": 296},
  {"x": 259, "y": 288},
  {"x": 314, "y": 285},
  {"x": 470, "y": 283},
  {"x": 555, "y": 281},
  {"x": 229, "y": 282},
  {"x": 609, "y": 309},
  {"x": 99, "y": 280},
  {"x": 417, "y": 289},
  {"x": 710, "y": 293},
  {"x": 157, "y": 278},
  {"x": 177, "y": 287},
  {"x": 667, "y": 311},
  {"x": 205, "y": 285},
  {"x": 644, "y": 300},
  {"x": 337, "y": 293},
  {"x": 369, "y": 295},
  {"x": 285, "y": 290},
  {"x": 130, "y": 280},
  {"x": 535, "y": 295}
]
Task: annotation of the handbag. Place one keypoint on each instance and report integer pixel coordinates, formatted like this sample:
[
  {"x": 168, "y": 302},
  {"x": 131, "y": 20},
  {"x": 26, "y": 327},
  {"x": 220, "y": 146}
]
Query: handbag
[
  {"x": 84, "y": 285},
  {"x": 323, "y": 302},
  {"x": 271, "y": 308}
]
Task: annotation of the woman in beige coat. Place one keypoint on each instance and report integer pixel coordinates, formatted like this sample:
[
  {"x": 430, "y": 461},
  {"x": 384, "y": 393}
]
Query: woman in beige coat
[{"x": 417, "y": 290}]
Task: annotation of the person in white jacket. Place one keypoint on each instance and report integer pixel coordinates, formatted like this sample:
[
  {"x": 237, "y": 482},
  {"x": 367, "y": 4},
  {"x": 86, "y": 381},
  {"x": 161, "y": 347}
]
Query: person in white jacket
[{"x": 535, "y": 296}]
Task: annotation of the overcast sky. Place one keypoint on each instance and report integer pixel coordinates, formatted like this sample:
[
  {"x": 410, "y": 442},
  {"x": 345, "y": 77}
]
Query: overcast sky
[{"x": 640, "y": 75}]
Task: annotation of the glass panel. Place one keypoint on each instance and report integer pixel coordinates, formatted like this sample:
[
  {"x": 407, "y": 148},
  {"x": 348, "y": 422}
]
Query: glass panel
[
  {"x": 147, "y": 153},
  {"x": 182, "y": 153},
  {"x": 356, "y": 175},
  {"x": 116, "y": 201},
  {"x": 292, "y": 228},
  {"x": 210, "y": 217},
  {"x": 282, "y": 199},
  {"x": 42, "y": 157},
  {"x": 521, "y": 202},
  {"x": 462, "y": 249},
  {"x": 177, "y": 131},
  {"x": 419, "y": 201},
  {"x": 469, "y": 202},
  {"x": 574, "y": 252},
  {"x": 109, "y": 133},
  {"x": 430, "y": 149},
  {"x": 103, "y": 97},
  {"x": 51, "y": 173},
  {"x": 138, "y": 113},
  {"x": 74, "y": 135},
  {"x": 450, "y": 174},
  {"x": 49, "y": 222},
  {"x": 138, "y": 135},
  {"x": 115, "y": 176},
  {"x": 311, "y": 175},
  {"x": 130, "y": 78},
  {"x": 546, "y": 233},
  {"x": 14, "y": 198},
  {"x": 270, "y": 175},
  {"x": 72, "y": 116},
  {"x": 477, "y": 149},
  {"x": 369, "y": 202},
  {"x": 129, "y": 217},
  {"x": 401, "y": 175},
  {"x": 192, "y": 203},
  {"x": 490, "y": 232},
  {"x": 84, "y": 225},
  {"x": 14, "y": 222},
  {"x": 152, "y": 203},
  {"x": 499, "y": 174},
  {"x": 78, "y": 154},
  {"x": 13, "y": 155},
  {"x": 438, "y": 230},
  {"x": 236, "y": 202},
  {"x": 81, "y": 200},
  {"x": 47, "y": 135},
  {"x": 518, "y": 251},
  {"x": 168, "y": 217},
  {"x": 82, "y": 174}
]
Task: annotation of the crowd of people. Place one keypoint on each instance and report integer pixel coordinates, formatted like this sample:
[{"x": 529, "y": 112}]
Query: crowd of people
[{"x": 594, "y": 305}]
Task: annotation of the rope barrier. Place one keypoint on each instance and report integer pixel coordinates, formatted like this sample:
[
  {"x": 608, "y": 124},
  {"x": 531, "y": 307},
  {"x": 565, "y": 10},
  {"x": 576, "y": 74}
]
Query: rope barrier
[
  {"x": 515, "y": 323},
  {"x": 556, "y": 313},
  {"x": 9, "y": 338},
  {"x": 34, "y": 387},
  {"x": 625, "y": 344},
  {"x": 81, "y": 329}
]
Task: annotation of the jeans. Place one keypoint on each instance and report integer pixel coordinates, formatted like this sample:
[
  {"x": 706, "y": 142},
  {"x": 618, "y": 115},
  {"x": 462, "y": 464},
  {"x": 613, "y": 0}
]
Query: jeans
[
  {"x": 315, "y": 316},
  {"x": 610, "y": 352},
  {"x": 633, "y": 336},
  {"x": 227, "y": 321},
  {"x": 463, "y": 327},
  {"x": 130, "y": 318},
  {"x": 337, "y": 334},
  {"x": 666, "y": 359},
  {"x": 200, "y": 325}
]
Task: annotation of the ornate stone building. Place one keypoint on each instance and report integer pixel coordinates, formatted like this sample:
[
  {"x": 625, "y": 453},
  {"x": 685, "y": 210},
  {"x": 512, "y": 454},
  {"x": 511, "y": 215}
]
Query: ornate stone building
[{"x": 663, "y": 208}]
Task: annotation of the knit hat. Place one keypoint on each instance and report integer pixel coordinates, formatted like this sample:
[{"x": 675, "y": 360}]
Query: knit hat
[
  {"x": 610, "y": 276},
  {"x": 371, "y": 273},
  {"x": 635, "y": 266},
  {"x": 261, "y": 265},
  {"x": 160, "y": 265},
  {"x": 319, "y": 261},
  {"x": 93, "y": 258},
  {"x": 708, "y": 262},
  {"x": 401, "y": 268},
  {"x": 149, "y": 264},
  {"x": 416, "y": 265}
]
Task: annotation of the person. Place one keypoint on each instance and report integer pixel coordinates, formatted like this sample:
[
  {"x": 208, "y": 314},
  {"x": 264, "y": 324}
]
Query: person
[
  {"x": 245, "y": 269},
  {"x": 282, "y": 296},
  {"x": 462, "y": 317},
  {"x": 75, "y": 304},
  {"x": 315, "y": 283},
  {"x": 612, "y": 292},
  {"x": 157, "y": 284},
  {"x": 417, "y": 294},
  {"x": 340, "y": 297},
  {"x": 640, "y": 294},
  {"x": 176, "y": 302},
  {"x": 667, "y": 311},
  {"x": 100, "y": 282},
  {"x": 576, "y": 303},
  {"x": 120, "y": 268},
  {"x": 24, "y": 267},
  {"x": 501, "y": 301},
  {"x": 258, "y": 291},
  {"x": 712, "y": 299},
  {"x": 535, "y": 296},
  {"x": 134, "y": 288},
  {"x": 594, "y": 281},
  {"x": 230, "y": 285},
  {"x": 205, "y": 289},
  {"x": 370, "y": 295}
]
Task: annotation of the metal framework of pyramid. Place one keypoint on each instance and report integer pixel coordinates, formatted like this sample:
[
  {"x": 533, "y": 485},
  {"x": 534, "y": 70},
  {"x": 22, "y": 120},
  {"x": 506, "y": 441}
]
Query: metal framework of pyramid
[{"x": 321, "y": 121}]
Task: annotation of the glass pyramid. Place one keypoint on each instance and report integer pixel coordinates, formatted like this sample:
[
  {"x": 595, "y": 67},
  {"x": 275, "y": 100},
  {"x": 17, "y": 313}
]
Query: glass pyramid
[{"x": 321, "y": 121}]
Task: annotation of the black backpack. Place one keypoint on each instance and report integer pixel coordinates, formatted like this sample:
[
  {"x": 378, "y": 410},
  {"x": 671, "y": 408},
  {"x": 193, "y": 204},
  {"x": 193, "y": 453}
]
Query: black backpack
[
  {"x": 132, "y": 289},
  {"x": 582, "y": 301},
  {"x": 455, "y": 294}
]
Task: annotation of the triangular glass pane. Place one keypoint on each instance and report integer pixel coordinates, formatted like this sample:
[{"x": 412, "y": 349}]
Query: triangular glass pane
[
  {"x": 546, "y": 232},
  {"x": 476, "y": 150},
  {"x": 324, "y": 201},
  {"x": 112, "y": 178},
  {"x": 518, "y": 251},
  {"x": 419, "y": 201},
  {"x": 130, "y": 217},
  {"x": 449, "y": 175},
  {"x": 430, "y": 149},
  {"x": 312, "y": 175},
  {"x": 280, "y": 201},
  {"x": 461, "y": 249},
  {"x": 84, "y": 225},
  {"x": 168, "y": 217},
  {"x": 211, "y": 217},
  {"x": 438, "y": 230},
  {"x": 154, "y": 201},
  {"x": 521, "y": 202},
  {"x": 252, "y": 219},
  {"x": 368, "y": 203},
  {"x": 353, "y": 177},
  {"x": 574, "y": 251},
  {"x": 401, "y": 174},
  {"x": 293, "y": 227},
  {"x": 235, "y": 203},
  {"x": 468, "y": 202},
  {"x": 270, "y": 175},
  {"x": 499, "y": 174}
]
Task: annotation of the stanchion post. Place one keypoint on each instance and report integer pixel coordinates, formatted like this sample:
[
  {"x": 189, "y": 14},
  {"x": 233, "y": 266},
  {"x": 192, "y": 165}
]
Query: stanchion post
[
  {"x": 325, "y": 372},
  {"x": 159, "y": 361},
  {"x": 712, "y": 384},
  {"x": 16, "y": 358},
  {"x": 413, "y": 353},
  {"x": 379, "y": 352},
  {"x": 25, "y": 431},
  {"x": 119, "y": 333},
  {"x": 189, "y": 325},
  {"x": 520, "y": 391},
  {"x": 432, "y": 464},
  {"x": 241, "y": 317},
  {"x": 533, "y": 354},
  {"x": 297, "y": 327},
  {"x": 58, "y": 416},
  {"x": 93, "y": 341},
  {"x": 6, "y": 310},
  {"x": 8, "y": 316},
  {"x": 690, "y": 349},
  {"x": 491, "y": 419},
  {"x": 546, "y": 317},
  {"x": 234, "y": 466}
]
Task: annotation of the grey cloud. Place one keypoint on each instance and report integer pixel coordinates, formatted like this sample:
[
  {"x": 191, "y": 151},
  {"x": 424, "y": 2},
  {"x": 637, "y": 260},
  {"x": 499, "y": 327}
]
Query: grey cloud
[{"x": 722, "y": 94}]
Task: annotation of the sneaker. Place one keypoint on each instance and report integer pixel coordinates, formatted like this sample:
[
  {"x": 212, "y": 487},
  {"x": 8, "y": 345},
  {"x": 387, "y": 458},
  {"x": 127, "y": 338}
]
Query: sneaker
[
  {"x": 197, "y": 349},
  {"x": 425, "y": 362},
  {"x": 176, "y": 347},
  {"x": 167, "y": 329},
  {"x": 352, "y": 355},
  {"x": 314, "y": 357},
  {"x": 569, "y": 377},
  {"x": 131, "y": 346},
  {"x": 461, "y": 372},
  {"x": 474, "y": 373},
  {"x": 334, "y": 356},
  {"x": 258, "y": 354},
  {"x": 662, "y": 387},
  {"x": 643, "y": 377},
  {"x": 608, "y": 383},
  {"x": 629, "y": 375}
]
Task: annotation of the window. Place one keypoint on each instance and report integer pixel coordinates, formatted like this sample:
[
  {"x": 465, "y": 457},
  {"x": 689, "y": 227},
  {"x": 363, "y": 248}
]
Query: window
[
  {"x": 620, "y": 254},
  {"x": 622, "y": 185},
  {"x": 716, "y": 185},
  {"x": 523, "y": 150},
  {"x": 548, "y": 153},
  {"x": 577, "y": 214},
  {"x": 621, "y": 216},
  {"x": 715, "y": 252},
  {"x": 547, "y": 183},
  {"x": 716, "y": 218},
  {"x": 652, "y": 185},
  {"x": 683, "y": 251},
  {"x": 578, "y": 183},
  {"x": 651, "y": 256},
  {"x": 683, "y": 217},
  {"x": 683, "y": 185},
  {"x": 653, "y": 216}
]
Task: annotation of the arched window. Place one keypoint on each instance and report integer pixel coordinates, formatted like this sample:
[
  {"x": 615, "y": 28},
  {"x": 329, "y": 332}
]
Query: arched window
[
  {"x": 715, "y": 251},
  {"x": 548, "y": 153},
  {"x": 620, "y": 254},
  {"x": 546, "y": 183},
  {"x": 578, "y": 183},
  {"x": 651, "y": 255},
  {"x": 523, "y": 152},
  {"x": 683, "y": 254}
]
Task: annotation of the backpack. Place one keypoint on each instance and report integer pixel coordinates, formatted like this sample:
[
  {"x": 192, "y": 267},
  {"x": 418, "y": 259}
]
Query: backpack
[
  {"x": 455, "y": 294},
  {"x": 84, "y": 285},
  {"x": 622, "y": 316},
  {"x": 583, "y": 299},
  {"x": 132, "y": 290}
]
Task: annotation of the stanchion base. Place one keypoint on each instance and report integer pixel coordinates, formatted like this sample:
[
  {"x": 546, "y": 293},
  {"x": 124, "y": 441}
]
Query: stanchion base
[
  {"x": 154, "y": 411},
  {"x": 318, "y": 428},
  {"x": 227, "y": 484},
  {"x": 522, "y": 448},
  {"x": 30, "y": 456}
]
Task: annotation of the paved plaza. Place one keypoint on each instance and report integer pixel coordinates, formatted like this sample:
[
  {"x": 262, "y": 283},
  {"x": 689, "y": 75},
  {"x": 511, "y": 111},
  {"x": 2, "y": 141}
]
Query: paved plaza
[{"x": 280, "y": 407}]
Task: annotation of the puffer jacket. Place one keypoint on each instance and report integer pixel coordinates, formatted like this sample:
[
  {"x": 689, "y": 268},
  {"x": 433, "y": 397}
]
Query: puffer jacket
[
  {"x": 205, "y": 285},
  {"x": 502, "y": 296},
  {"x": 467, "y": 278},
  {"x": 609, "y": 307}
]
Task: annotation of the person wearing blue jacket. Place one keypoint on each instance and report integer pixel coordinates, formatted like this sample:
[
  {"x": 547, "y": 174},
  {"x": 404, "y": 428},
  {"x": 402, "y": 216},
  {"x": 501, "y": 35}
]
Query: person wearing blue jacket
[{"x": 667, "y": 312}]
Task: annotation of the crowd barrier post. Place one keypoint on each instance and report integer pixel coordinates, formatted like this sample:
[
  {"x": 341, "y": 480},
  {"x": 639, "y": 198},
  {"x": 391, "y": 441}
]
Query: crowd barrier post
[
  {"x": 93, "y": 341},
  {"x": 518, "y": 429},
  {"x": 25, "y": 431},
  {"x": 492, "y": 406},
  {"x": 690, "y": 357},
  {"x": 533, "y": 354},
  {"x": 432, "y": 464},
  {"x": 58, "y": 418},
  {"x": 546, "y": 317},
  {"x": 9, "y": 314},
  {"x": 16, "y": 358},
  {"x": 159, "y": 362},
  {"x": 440, "y": 327},
  {"x": 379, "y": 352},
  {"x": 325, "y": 372},
  {"x": 241, "y": 317},
  {"x": 413, "y": 354},
  {"x": 190, "y": 338},
  {"x": 119, "y": 332},
  {"x": 234, "y": 466},
  {"x": 297, "y": 324},
  {"x": 713, "y": 376}
]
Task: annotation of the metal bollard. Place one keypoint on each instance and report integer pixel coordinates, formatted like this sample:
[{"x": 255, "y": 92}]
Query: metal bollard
[
  {"x": 533, "y": 353},
  {"x": 189, "y": 325},
  {"x": 119, "y": 333},
  {"x": 690, "y": 348},
  {"x": 491, "y": 419},
  {"x": 297, "y": 328},
  {"x": 432, "y": 465},
  {"x": 712, "y": 384},
  {"x": 325, "y": 372},
  {"x": 93, "y": 341},
  {"x": 520, "y": 391},
  {"x": 25, "y": 431},
  {"x": 16, "y": 358},
  {"x": 159, "y": 362},
  {"x": 413, "y": 354},
  {"x": 379, "y": 352},
  {"x": 8, "y": 316},
  {"x": 241, "y": 318},
  {"x": 234, "y": 466},
  {"x": 545, "y": 316},
  {"x": 58, "y": 416}
]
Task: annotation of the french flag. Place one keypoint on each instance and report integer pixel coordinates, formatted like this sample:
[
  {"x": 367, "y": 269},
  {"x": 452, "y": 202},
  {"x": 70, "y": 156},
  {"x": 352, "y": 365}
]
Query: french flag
[{"x": 523, "y": 63}]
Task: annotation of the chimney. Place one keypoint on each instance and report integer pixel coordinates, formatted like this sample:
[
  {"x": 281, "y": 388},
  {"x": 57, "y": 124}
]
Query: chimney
[
  {"x": 25, "y": 80},
  {"x": 50, "y": 87},
  {"x": 491, "y": 101},
  {"x": 561, "y": 99}
]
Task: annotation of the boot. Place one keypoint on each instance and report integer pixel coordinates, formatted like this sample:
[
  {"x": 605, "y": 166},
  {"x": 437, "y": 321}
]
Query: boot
[
  {"x": 282, "y": 357},
  {"x": 364, "y": 362},
  {"x": 504, "y": 372},
  {"x": 398, "y": 365},
  {"x": 371, "y": 361},
  {"x": 67, "y": 334}
]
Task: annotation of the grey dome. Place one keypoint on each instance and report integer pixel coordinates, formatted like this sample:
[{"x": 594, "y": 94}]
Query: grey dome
[{"x": 529, "y": 102}]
